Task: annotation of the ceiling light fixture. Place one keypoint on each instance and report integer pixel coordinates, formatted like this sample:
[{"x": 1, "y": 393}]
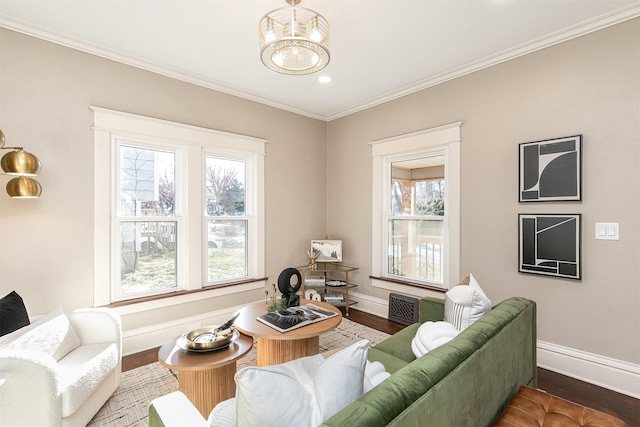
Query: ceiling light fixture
[
  {"x": 294, "y": 40},
  {"x": 24, "y": 165}
]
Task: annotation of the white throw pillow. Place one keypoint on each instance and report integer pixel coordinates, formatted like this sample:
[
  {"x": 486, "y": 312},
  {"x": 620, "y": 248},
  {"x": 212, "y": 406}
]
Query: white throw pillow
[
  {"x": 51, "y": 334},
  {"x": 303, "y": 392},
  {"x": 374, "y": 374},
  {"x": 464, "y": 304},
  {"x": 431, "y": 335}
]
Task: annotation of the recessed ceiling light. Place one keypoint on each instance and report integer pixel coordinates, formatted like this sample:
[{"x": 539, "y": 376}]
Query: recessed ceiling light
[{"x": 324, "y": 79}]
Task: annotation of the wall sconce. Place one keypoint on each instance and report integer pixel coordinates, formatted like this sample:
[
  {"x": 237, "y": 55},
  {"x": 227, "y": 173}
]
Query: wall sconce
[{"x": 24, "y": 166}]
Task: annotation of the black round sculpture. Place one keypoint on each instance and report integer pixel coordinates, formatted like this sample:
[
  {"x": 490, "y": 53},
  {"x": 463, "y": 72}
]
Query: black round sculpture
[{"x": 289, "y": 296}]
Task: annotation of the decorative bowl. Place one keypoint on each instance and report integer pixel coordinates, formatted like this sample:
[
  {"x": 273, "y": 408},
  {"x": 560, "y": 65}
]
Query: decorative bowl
[{"x": 206, "y": 339}]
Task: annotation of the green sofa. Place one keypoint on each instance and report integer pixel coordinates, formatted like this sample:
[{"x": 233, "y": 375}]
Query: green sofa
[{"x": 465, "y": 382}]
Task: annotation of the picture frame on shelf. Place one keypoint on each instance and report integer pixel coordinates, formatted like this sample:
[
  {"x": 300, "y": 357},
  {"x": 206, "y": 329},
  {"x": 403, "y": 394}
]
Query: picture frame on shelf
[
  {"x": 328, "y": 250},
  {"x": 550, "y": 245},
  {"x": 550, "y": 170}
]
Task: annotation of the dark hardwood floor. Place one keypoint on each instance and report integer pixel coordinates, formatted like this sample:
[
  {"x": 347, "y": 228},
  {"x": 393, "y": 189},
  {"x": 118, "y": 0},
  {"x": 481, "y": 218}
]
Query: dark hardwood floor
[{"x": 622, "y": 406}]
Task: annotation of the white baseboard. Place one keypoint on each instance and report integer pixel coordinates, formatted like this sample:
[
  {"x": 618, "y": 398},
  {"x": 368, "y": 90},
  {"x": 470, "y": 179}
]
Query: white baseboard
[
  {"x": 602, "y": 371},
  {"x": 141, "y": 339},
  {"x": 369, "y": 304}
]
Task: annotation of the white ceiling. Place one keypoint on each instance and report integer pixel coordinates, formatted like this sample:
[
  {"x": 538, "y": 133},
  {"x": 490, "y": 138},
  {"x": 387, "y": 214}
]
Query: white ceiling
[{"x": 380, "y": 49}]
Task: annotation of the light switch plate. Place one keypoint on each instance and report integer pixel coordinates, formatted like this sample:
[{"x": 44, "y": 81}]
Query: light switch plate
[{"x": 607, "y": 231}]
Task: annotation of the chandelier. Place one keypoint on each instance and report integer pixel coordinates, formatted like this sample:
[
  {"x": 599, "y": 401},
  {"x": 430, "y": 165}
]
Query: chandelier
[{"x": 294, "y": 40}]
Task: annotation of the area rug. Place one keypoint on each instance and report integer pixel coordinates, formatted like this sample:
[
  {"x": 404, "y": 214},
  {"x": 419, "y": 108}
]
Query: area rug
[{"x": 128, "y": 407}]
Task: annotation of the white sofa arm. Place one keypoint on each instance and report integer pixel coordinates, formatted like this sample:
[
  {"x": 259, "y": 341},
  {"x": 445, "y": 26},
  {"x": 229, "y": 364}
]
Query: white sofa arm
[
  {"x": 97, "y": 325},
  {"x": 174, "y": 410},
  {"x": 29, "y": 395}
]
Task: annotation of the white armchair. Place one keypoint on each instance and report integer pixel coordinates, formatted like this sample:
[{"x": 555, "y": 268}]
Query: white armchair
[{"x": 60, "y": 370}]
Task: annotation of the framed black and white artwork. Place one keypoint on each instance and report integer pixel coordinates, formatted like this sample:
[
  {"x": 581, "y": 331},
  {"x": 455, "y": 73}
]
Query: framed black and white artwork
[
  {"x": 549, "y": 244},
  {"x": 327, "y": 250},
  {"x": 551, "y": 170}
]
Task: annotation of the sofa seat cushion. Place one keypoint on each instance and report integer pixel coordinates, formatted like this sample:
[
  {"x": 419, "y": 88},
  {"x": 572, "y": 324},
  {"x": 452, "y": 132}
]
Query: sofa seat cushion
[
  {"x": 399, "y": 345},
  {"x": 82, "y": 370},
  {"x": 391, "y": 363},
  {"x": 51, "y": 334}
]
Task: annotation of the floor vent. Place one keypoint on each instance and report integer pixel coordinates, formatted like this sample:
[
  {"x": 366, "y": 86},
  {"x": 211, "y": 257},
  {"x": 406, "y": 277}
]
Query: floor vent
[{"x": 403, "y": 309}]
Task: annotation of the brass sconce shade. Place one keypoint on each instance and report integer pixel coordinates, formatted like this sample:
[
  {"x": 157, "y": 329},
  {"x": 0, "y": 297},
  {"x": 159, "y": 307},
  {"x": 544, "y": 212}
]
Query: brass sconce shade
[
  {"x": 20, "y": 162},
  {"x": 25, "y": 165},
  {"x": 24, "y": 187}
]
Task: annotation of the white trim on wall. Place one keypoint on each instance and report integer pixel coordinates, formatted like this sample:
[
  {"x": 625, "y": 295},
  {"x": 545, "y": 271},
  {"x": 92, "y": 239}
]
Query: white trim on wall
[
  {"x": 598, "y": 23},
  {"x": 141, "y": 339},
  {"x": 444, "y": 140},
  {"x": 602, "y": 371},
  {"x": 109, "y": 125}
]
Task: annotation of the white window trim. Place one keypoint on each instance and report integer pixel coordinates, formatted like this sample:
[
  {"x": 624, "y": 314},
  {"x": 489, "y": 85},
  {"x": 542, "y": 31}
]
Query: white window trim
[
  {"x": 445, "y": 139},
  {"x": 178, "y": 150},
  {"x": 107, "y": 125},
  {"x": 251, "y": 203}
]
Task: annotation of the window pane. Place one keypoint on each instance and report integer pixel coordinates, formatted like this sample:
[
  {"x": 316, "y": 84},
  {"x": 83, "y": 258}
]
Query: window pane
[
  {"x": 429, "y": 197},
  {"x": 148, "y": 256},
  {"x": 225, "y": 181},
  {"x": 416, "y": 249},
  {"x": 147, "y": 182},
  {"x": 227, "y": 250}
]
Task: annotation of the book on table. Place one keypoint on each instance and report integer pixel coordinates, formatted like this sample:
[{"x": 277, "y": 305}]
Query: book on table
[
  {"x": 334, "y": 297},
  {"x": 292, "y": 318}
]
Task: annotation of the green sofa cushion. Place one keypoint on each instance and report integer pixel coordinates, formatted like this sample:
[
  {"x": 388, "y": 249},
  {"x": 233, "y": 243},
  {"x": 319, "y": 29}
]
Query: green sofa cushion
[
  {"x": 391, "y": 363},
  {"x": 399, "y": 344}
]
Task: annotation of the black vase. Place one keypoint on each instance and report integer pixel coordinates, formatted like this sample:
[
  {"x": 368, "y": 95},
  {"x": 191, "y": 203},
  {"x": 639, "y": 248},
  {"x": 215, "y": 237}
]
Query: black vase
[{"x": 287, "y": 290}]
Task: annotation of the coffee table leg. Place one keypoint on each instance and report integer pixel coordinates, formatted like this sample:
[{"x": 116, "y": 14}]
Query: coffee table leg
[
  {"x": 271, "y": 352},
  {"x": 206, "y": 388}
]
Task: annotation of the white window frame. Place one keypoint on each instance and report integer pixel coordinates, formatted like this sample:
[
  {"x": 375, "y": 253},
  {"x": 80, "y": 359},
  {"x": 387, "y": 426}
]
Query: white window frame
[
  {"x": 109, "y": 126},
  {"x": 117, "y": 219},
  {"x": 251, "y": 203},
  {"x": 442, "y": 140}
]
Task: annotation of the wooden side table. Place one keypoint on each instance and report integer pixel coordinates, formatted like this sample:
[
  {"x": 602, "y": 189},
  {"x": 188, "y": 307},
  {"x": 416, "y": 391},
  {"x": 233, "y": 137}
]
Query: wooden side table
[
  {"x": 206, "y": 378},
  {"x": 277, "y": 347}
]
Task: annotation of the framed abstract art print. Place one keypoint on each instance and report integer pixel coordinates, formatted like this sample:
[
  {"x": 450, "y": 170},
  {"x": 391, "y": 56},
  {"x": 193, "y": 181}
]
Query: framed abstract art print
[
  {"x": 551, "y": 170},
  {"x": 549, "y": 244}
]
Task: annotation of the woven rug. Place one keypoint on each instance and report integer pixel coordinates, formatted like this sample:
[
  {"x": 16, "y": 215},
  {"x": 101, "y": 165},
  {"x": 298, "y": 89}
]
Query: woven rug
[{"x": 129, "y": 404}]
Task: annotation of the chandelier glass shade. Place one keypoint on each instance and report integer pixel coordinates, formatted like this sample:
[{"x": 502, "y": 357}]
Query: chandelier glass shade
[{"x": 294, "y": 40}]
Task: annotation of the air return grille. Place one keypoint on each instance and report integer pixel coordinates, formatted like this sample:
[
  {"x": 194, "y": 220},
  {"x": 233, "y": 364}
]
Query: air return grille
[{"x": 403, "y": 309}]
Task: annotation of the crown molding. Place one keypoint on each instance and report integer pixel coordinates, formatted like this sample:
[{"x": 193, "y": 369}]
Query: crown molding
[
  {"x": 569, "y": 33},
  {"x": 589, "y": 26},
  {"x": 64, "y": 40}
]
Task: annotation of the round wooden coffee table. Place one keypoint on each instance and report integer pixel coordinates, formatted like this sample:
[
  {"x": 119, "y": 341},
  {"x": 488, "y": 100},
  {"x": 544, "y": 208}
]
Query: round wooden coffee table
[
  {"x": 277, "y": 347},
  {"x": 206, "y": 378}
]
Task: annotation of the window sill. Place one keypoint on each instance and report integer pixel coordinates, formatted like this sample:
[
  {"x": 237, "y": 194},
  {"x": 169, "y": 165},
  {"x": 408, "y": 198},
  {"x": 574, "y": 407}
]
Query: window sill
[
  {"x": 406, "y": 287},
  {"x": 139, "y": 305}
]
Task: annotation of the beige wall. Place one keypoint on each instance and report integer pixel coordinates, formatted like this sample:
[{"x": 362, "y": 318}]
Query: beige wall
[
  {"x": 587, "y": 86},
  {"x": 46, "y": 244}
]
